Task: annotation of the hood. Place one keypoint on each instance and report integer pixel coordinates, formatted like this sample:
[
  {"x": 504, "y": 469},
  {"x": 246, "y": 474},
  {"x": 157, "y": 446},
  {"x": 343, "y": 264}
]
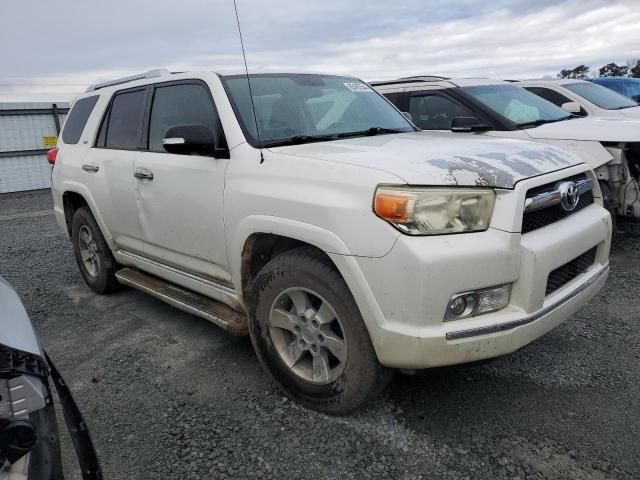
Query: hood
[
  {"x": 442, "y": 158},
  {"x": 585, "y": 129},
  {"x": 16, "y": 330}
]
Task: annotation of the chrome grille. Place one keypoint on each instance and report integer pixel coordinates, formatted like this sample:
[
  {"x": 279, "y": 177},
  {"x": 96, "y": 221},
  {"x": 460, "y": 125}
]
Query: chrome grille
[
  {"x": 543, "y": 206},
  {"x": 567, "y": 272}
]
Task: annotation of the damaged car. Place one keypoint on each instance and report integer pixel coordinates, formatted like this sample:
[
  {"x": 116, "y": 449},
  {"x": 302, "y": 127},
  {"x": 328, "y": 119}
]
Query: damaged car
[
  {"x": 29, "y": 436},
  {"x": 611, "y": 146},
  {"x": 308, "y": 212}
]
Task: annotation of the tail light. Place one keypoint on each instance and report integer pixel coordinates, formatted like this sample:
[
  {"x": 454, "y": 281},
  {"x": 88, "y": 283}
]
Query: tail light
[{"x": 52, "y": 155}]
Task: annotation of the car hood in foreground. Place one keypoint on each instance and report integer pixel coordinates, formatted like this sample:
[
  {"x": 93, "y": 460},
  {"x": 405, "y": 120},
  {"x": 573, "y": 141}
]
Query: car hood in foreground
[
  {"x": 585, "y": 129},
  {"x": 442, "y": 158},
  {"x": 16, "y": 330}
]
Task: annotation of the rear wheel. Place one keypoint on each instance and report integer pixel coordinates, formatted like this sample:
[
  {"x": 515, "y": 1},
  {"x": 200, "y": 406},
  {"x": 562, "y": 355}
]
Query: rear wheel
[
  {"x": 94, "y": 258},
  {"x": 309, "y": 335}
]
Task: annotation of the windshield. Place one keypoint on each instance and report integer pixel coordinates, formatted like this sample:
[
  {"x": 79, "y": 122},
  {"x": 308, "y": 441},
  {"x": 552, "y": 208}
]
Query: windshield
[
  {"x": 601, "y": 96},
  {"x": 517, "y": 104},
  {"x": 295, "y": 108}
]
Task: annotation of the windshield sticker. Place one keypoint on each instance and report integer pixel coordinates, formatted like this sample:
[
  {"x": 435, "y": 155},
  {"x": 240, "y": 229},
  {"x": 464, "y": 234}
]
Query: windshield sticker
[{"x": 357, "y": 87}]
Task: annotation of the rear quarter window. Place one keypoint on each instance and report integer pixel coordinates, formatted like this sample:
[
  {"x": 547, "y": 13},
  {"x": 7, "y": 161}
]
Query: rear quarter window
[{"x": 77, "y": 119}]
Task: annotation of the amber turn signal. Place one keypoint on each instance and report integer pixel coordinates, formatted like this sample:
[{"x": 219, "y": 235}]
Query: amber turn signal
[{"x": 391, "y": 206}]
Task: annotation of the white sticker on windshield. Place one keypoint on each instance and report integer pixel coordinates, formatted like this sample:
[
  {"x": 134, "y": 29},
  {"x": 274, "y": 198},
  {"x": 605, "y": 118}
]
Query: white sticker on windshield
[{"x": 357, "y": 87}]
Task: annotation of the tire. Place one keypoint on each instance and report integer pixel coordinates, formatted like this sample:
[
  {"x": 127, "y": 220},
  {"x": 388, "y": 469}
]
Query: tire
[
  {"x": 99, "y": 270},
  {"x": 340, "y": 385}
]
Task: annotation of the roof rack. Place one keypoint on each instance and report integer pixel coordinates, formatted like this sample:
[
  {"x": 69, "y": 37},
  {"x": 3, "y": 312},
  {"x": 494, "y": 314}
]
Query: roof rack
[
  {"x": 416, "y": 78},
  {"x": 426, "y": 77},
  {"x": 160, "y": 72}
]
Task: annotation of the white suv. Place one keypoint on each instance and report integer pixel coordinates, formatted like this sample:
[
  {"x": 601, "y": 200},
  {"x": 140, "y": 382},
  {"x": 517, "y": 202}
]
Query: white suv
[
  {"x": 317, "y": 219},
  {"x": 584, "y": 98},
  {"x": 503, "y": 109}
]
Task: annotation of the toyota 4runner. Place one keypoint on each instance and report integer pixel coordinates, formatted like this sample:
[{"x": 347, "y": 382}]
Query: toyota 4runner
[{"x": 317, "y": 219}]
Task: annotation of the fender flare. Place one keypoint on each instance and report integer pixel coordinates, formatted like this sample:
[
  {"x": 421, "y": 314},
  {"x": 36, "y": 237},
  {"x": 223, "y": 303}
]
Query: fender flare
[
  {"x": 326, "y": 241},
  {"x": 322, "y": 238},
  {"x": 83, "y": 191}
]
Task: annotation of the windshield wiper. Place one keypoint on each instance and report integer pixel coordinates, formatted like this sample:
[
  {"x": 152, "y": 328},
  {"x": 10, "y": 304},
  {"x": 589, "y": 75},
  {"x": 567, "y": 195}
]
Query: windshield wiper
[
  {"x": 299, "y": 140},
  {"x": 537, "y": 123},
  {"x": 370, "y": 132}
]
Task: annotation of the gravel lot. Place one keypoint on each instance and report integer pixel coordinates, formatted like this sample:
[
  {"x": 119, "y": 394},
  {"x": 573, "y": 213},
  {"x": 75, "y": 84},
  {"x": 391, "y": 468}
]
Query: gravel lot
[{"x": 170, "y": 396}]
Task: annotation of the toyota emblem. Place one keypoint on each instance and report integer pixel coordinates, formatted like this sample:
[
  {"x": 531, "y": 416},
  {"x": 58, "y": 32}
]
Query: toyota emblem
[{"x": 569, "y": 196}]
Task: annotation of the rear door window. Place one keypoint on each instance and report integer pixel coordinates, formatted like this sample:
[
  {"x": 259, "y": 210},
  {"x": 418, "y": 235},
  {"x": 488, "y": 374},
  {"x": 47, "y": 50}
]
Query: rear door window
[
  {"x": 182, "y": 104},
  {"x": 78, "y": 116},
  {"x": 124, "y": 128},
  {"x": 435, "y": 112}
]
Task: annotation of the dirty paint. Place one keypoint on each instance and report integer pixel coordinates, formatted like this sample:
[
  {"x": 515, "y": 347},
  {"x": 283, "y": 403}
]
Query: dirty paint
[{"x": 437, "y": 158}]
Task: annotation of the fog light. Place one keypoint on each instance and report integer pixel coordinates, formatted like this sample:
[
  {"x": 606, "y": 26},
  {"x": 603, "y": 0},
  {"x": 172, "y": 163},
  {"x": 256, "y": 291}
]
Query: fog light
[
  {"x": 478, "y": 302},
  {"x": 458, "y": 306}
]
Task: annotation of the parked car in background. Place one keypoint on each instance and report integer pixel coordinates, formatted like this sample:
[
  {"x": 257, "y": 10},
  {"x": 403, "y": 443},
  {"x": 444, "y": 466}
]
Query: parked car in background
[
  {"x": 308, "y": 211},
  {"x": 629, "y": 87},
  {"x": 584, "y": 98},
  {"x": 29, "y": 439},
  {"x": 504, "y": 109}
]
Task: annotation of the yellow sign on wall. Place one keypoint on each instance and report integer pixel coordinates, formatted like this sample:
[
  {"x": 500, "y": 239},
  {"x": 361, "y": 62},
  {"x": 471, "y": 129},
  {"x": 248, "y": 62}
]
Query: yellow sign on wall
[{"x": 49, "y": 141}]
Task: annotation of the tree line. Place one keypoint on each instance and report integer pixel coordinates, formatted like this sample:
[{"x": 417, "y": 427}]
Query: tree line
[{"x": 631, "y": 69}]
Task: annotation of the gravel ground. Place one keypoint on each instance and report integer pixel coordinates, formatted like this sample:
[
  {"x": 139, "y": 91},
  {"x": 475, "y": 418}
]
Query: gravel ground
[{"x": 168, "y": 395}]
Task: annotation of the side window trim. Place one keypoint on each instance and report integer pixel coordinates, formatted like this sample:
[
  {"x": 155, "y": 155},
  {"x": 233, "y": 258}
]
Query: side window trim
[
  {"x": 107, "y": 115},
  {"x": 191, "y": 81},
  {"x": 104, "y": 124}
]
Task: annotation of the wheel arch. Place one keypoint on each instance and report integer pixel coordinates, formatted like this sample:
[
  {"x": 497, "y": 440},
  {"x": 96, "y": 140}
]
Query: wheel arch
[
  {"x": 259, "y": 238},
  {"x": 76, "y": 196},
  {"x": 72, "y": 202}
]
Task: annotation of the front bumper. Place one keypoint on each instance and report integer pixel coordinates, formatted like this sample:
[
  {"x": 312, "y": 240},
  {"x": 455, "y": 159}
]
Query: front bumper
[
  {"x": 492, "y": 340},
  {"x": 414, "y": 282}
]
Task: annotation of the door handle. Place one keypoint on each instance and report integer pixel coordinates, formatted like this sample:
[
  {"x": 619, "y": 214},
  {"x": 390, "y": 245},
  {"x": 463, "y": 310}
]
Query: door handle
[
  {"x": 143, "y": 174},
  {"x": 90, "y": 167}
]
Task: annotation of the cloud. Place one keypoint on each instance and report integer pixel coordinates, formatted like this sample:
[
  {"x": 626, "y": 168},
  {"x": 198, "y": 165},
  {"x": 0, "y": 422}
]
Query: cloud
[{"x": 71, "y": 43}]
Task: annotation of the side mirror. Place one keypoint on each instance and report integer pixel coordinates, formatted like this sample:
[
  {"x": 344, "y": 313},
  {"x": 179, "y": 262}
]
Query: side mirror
[
  {"x": 468, "y": 124},
  {"x": 572, "y": 107},
  {"x": 408, "y": 115},
  {"x": 191, "y": 139}
]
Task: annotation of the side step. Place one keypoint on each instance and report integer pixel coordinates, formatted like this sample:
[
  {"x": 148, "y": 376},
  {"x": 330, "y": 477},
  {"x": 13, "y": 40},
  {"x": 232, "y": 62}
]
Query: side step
[{"x": 185, "y": 300}]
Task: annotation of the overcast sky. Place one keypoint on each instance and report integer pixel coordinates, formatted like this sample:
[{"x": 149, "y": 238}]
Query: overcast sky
[{"x": 53, "y": 50}]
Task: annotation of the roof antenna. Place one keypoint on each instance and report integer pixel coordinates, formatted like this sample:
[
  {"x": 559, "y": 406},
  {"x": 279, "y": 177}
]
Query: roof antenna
[{"x": 246, "y": 69}]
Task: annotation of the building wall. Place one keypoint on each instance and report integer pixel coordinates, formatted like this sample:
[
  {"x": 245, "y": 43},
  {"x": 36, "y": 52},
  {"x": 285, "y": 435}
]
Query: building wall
[{"x": 26, "y": 131}]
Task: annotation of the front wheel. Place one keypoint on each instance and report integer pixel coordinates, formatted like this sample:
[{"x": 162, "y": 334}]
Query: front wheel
[{"x": 308, "y": 334}]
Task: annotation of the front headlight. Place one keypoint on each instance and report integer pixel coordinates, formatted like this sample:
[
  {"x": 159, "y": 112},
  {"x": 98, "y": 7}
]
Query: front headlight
[{"x": 435, "y": 211}]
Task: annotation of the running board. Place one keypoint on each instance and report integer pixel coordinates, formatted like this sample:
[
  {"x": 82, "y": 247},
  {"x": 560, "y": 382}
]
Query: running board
[{"x": 185, "y": 300}]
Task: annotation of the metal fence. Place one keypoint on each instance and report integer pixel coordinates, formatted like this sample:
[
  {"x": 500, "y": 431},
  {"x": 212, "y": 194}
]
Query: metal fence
[{"x": 27, "y": 132}]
